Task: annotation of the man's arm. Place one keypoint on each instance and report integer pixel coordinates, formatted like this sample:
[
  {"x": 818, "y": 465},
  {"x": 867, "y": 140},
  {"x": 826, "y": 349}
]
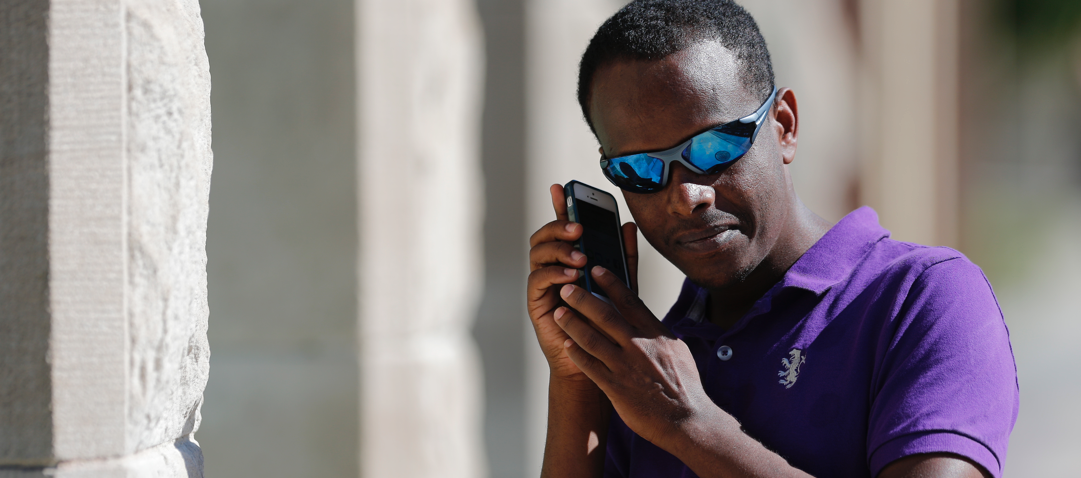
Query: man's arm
[
  {"x": 933, "y": 465},
  {"x": 578, "y": 412},
  {"x": 578, "y": 415},
  {"x": 652, "y": 381}
]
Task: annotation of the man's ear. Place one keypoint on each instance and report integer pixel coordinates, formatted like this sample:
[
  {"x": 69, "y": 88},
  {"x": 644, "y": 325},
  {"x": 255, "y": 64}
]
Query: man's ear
[{"x": 786, "y": 121}]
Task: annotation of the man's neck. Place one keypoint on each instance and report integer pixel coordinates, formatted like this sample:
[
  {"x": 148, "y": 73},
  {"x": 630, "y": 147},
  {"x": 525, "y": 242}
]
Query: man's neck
[{"x": 728, "y": 305}]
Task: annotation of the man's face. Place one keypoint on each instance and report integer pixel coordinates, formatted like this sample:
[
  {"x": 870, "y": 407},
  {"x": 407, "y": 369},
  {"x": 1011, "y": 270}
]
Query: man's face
[{"x": 718, "y": 228}]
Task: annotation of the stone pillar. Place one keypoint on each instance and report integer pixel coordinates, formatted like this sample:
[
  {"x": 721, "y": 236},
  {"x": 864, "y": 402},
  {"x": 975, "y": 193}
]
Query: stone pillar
[
  {"x": 419, "y": 69},
  {"x": 104, "y": 176},
  {"x": 910, "y": 170},
  {"x": 560, "y": 147},
  {"x": 814, "y": 50}
]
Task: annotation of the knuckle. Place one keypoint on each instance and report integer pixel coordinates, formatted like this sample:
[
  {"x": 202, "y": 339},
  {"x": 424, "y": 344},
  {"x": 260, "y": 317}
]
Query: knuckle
[
  {"x": 610, "y": 316},
  {"x": 631, "y": 301},
  {"x": 590, "y": 361},
  {"x": 578, "y": 295},
  {"x": 544, "y": 234},
  {"x": 533, "y": 238},
  {"x": 534, "y": 276},
  {"x": 590, "y": 341},
  {"x": 546, "y": 276},
  {"x": 566, "y": 248},
  {"x": 610, "y": 280},
  {"x": 540, "y": 255}
]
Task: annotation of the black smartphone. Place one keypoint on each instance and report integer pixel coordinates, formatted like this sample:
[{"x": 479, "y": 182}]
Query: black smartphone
[{"x": 602, "y": 238}]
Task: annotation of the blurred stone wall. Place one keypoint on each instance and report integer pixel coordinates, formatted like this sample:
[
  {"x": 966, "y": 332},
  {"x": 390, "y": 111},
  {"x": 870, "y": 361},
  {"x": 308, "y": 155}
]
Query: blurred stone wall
[
  {"x": 282, "y": 240},
  {"x": 1021, "y": 196},
  {"x": 498, "y": 327},
  {"x": 420, "y": 69}
]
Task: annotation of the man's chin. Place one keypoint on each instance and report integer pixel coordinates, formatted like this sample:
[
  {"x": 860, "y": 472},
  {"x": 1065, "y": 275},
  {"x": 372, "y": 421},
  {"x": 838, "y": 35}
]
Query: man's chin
[{"x": 717, "y": 278}]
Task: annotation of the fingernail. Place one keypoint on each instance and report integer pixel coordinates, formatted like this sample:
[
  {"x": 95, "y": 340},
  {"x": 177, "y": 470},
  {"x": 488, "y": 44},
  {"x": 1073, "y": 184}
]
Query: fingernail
[
  {"x": 571, "y": 226},
  {"x": 571, "y": 272},
  {"x": 567, "y": 344},
  {"x": 577, "y": 256},
  {"x": 566, "y": 291},
  {"x": 598, "y": 271},
  {"x": 560, "y": 311}
]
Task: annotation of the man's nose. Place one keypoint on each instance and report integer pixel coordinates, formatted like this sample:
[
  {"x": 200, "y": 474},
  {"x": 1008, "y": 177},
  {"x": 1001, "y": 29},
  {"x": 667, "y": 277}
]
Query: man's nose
[{"x": 686, "y": 193}]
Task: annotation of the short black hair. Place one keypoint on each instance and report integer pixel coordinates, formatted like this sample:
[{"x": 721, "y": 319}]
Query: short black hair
[{"x": 654, "y": 29}]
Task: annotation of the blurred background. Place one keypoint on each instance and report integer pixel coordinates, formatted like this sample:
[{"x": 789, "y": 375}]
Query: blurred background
[{"x": 959, "y": 121}]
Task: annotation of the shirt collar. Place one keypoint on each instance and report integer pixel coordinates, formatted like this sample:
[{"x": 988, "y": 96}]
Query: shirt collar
[{"x": 833, "y": 258}]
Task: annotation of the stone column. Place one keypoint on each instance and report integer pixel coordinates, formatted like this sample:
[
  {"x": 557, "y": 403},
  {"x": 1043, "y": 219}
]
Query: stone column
[
  {"x": 104, "y": 176},
  {"x": 419, "y": 68},
  {"x": 910, "y": 169}
]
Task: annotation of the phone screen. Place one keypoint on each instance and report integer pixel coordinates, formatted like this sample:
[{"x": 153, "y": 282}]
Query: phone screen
[{"x": 600, "y": 241}]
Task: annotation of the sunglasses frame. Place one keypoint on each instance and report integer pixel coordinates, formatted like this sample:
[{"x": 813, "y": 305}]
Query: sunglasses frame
[{"x": 676, "y": 153}]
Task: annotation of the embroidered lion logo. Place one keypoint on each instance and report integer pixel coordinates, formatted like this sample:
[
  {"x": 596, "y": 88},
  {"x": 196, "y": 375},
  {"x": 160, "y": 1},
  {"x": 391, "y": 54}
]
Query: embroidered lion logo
[{"x": 791, "y": 368}]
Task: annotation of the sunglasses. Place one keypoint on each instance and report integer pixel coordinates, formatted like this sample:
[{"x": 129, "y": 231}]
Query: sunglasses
[{"x": 708, "y": 152}]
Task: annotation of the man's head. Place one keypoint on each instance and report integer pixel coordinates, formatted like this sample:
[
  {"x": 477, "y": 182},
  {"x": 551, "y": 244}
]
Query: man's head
[
  {"x": 652, "y": 30},
  {"x": 679, "y": 73}
]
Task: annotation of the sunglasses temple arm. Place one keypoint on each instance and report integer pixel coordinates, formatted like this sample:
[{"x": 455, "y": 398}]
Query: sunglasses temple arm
[{"x": 757, "y": 116}]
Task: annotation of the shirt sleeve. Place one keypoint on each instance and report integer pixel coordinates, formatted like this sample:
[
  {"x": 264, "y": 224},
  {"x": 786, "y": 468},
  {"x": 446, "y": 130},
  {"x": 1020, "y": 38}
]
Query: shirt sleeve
[{"x": 945, "y": 380}]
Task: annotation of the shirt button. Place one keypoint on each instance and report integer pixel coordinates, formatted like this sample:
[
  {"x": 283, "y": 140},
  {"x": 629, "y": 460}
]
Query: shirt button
[{"x": 724, "y": 353}]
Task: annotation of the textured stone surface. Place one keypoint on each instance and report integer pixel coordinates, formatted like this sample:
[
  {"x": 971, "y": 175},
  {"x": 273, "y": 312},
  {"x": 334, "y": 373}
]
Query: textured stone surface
[
  {"x": 420, "y": 243},
  {"x": 182, "y": 459},
  {"x": 102, "y": 233},
  {"x": 86, "y": 228},
  {"x": 168, "y": 166}
]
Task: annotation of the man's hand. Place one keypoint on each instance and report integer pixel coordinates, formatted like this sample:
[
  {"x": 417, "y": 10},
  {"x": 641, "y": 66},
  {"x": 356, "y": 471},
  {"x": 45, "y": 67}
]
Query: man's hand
[
  {"x": 553, "y": 261},
  {"x": 647, "y": 373},
  {"x": 651, "y": 379},
  {"x": 578, "y": 412}
]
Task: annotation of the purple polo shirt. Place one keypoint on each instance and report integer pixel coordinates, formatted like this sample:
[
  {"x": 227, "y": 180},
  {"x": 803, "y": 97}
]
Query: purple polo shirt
[{"x": 868, "y": 350}]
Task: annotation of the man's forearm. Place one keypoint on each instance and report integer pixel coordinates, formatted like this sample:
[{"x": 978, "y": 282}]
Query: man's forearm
[
  {"x": 578, "y": 414},
  {"x": 713, "y": 445}
]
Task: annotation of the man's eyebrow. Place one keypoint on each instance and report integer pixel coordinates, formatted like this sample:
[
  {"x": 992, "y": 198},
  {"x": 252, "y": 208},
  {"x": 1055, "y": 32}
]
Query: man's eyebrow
[{"x": 679, "y": 143}]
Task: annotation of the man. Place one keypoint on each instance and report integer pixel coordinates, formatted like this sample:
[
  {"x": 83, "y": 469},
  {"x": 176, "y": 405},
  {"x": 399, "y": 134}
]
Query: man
[{"x": 796, "y": 347}]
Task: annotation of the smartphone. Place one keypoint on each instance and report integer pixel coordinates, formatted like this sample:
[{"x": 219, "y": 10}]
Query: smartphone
[{"x": 602, "y": 238}]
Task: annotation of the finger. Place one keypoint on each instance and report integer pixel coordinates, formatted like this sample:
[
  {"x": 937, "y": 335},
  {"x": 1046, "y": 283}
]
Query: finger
[
  {"x": 558, "y": 230},
  {"x": 556, "y": 253},
  {"x": 602, "y": 315},
  {"x": 540, "y": 283},
  {"x": 629, "y": 305},
  {"x": 559, "y": 202},
  {"x": 593, "y": 367},
  {"x": 585, "y": 335},
  {"x": 630, "y": 249},
  {"x": 551, "y": 337}
]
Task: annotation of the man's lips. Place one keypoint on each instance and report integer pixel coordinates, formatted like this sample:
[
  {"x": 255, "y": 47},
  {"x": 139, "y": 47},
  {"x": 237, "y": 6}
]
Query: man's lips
[{"x": 706, "y": 239}]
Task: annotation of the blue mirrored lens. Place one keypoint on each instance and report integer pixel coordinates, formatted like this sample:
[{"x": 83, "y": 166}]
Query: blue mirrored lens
[
  {"x": 637, "y": 172},
  {"x": 712, "y": 150}
]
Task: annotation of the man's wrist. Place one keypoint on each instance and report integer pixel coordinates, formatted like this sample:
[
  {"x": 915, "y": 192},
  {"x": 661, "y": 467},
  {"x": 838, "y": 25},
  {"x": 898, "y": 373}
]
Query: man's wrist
[
  {"x": 583, "y": 390},
  {"x": 704, "y": 428},
  {"x": 712, "y": 440}
]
